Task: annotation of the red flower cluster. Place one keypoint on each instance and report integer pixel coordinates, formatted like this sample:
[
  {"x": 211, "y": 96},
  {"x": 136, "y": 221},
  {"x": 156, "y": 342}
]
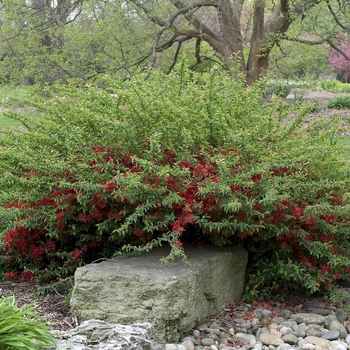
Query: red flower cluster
[{"x": 84, "y": 227}]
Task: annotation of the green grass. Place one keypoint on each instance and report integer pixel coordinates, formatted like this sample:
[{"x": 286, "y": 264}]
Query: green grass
[
  {"x": 9, "y": 100},
  {"x": 343, "y": 142},
  {"x": 8, "y": 122}
]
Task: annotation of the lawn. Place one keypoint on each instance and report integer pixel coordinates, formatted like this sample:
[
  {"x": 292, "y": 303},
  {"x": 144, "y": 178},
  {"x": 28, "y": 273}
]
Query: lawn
[
  {"x": 343, "y": 142},
  {"x": 8, "y": 122},
  {"x": 9, "y": 96}
]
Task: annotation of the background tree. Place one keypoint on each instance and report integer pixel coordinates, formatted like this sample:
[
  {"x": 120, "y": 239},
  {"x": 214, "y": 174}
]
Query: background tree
[
  {"x": 290, "y": 60},
  {"x": 268, "y": 23},
  {"x": 32, "y": 32},
  {"x": 338, "y": 61},
  {"x": 82, "y": 40}
]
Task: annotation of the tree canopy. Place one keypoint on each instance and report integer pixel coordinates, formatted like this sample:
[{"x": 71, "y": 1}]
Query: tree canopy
[{"x": 86, "y": 40}]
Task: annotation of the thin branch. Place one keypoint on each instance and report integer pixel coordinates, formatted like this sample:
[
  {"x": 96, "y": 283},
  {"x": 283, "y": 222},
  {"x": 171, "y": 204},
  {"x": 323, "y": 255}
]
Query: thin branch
[
  {"x": 197, "y": 52},
  {"x": 175, "y": 57},
  {"x": 307, "y": 42},
  {"x": 337, "y": 48},
  {"x": 204, "y": 30},
  {"x": 335, "y": 17},
  {"x": 319, "y": 42}
]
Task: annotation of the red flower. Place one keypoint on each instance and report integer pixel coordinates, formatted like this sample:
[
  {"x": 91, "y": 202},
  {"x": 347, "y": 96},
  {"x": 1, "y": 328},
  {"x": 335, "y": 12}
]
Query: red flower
[
  {"x": 310, "y": 220},
  {"x": 257, "y": 206},
  {"x": 185, "y": 164},
  {"x": 177, "y": 244},
  {"x": 170, "y": 155},
  {"x": 200, "y": 171},
  {"x": 98, "y": 149},
  {"x": 235, "y": 189},
  {"x": 280, "y": 171},
  {"x": 297, "y": 212},
  {"x": 284, "y": 245},
  {"x": 27, "y": 275},
  {"x": 10, "y": 236},
  {"x": 83, "y": 218},
  {"x": 60, "y": 225},
  {"x": 46, "y": 202},
  {"x": 11, "y": 275},
  {"x": 177, "y": 227},
  {"x": 59, "y": 216},
  {"x": 135, "y": 169},
  {"x": 75, "y": 254},
  {"x": 172, "y": 184},
  {"x": 96, "y": 215},
  {"x": 99, "y": 201},
  {"x": 306, "y": 262},
  {"x": 186, "y": 218},
  {"x": 109, "y": 186},
  {"x": 336, "y": 200},
  {"x": 138, "y": 232},
  {"x": 50, "y": 246},
  {"x": 36, "y": 251},
  {"x": 325, "y": 268},
  {"x": 115, "y": 215},
  {"x": 330, "y": 219},
  {"x": 256, "y": 178}
]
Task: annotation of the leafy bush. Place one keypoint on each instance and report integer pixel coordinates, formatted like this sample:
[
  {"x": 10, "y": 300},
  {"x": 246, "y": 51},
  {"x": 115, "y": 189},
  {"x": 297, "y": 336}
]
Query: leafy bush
[
  {"x": 183, "y": 158},
  {"x": 22, "y": 329},
  {"x": 335, "y": 86},
  {"x": 339, "y": 102}
]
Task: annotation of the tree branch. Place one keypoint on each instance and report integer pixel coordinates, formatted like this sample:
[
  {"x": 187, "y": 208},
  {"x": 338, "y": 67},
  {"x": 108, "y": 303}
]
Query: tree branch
[
  {"x": 337, "y": 48},
  {"x": 335, "y": 17}
]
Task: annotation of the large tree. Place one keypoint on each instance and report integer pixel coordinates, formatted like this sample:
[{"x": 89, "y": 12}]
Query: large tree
[
  {"x": 81, "y": 40},
  {"x": 222, "y": 24}
]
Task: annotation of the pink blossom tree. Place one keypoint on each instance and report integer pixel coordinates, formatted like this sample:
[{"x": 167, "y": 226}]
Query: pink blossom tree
[{"x": 339, "y": 59}]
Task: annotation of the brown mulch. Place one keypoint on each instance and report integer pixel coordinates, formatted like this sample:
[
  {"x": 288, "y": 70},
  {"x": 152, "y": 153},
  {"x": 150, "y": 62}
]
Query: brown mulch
[{"x": 51, "y": 306}]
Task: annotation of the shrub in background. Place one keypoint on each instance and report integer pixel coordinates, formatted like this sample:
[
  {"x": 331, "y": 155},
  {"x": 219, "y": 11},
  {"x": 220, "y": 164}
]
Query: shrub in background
[
  {"x": 335, "y": 86},
  {"x": 181, "y": 158},
  {"x": 339, "y": 102}
]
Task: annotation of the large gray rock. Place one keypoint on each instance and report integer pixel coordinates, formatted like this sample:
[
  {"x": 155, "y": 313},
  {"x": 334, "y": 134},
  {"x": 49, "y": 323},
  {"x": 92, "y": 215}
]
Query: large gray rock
[{"x": 173, "y": 297}]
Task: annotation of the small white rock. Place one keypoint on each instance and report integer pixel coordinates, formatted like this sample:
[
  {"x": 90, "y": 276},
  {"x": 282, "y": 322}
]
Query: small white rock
[{"x": 308, "y": 346}]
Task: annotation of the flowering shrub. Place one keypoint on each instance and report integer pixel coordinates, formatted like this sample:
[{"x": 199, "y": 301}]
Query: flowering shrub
[
  {"x": 180, "y": 159},
  {"x": 340, "y": 63}
]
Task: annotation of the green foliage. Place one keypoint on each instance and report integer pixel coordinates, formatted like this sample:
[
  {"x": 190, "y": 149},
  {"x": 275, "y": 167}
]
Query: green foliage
[
  {"x": 292, "y": 60},
  {"x": 22, "y": 328},
  {"x": 339, "y": 102},
  {"x": 177, "y": 159},
  {"x": 335, "y": 86},
  {"x": 279, "y": 89}
]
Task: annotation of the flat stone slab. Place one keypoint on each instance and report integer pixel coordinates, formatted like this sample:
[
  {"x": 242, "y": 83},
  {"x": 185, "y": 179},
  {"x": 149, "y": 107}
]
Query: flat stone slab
[{"x": 173, "y": 297}]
